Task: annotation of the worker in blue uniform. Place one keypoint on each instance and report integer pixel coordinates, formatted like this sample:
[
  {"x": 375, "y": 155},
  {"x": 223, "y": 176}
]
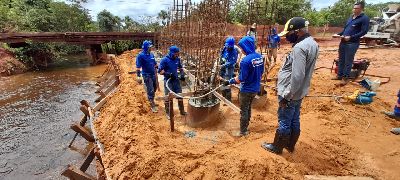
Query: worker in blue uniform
[
  {"x": 251, "y": 70},
  {"x": 169, "y": 67},
  {"x": 229, "y": 57},
  {"x": 146, "y": 66},
  {"x": 274, "y": 43}
]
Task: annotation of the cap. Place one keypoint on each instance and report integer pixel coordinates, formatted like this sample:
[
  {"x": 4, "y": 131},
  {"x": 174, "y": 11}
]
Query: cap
[
  {"x": 294, "y": 24},
  {"x": 254, "y": 25}
]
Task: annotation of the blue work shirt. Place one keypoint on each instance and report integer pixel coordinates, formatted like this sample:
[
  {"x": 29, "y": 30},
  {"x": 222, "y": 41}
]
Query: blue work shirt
[
  {"x": 147, "y": 62},
  {"x": 397, "y": 107},
  {"x": 356, "y": 28},
  {"x": 273, "y": 41},
  {"x": 170, "y": 66},
  {"x": 230, "y": 56},
  {"x": 251, "y": 67}
]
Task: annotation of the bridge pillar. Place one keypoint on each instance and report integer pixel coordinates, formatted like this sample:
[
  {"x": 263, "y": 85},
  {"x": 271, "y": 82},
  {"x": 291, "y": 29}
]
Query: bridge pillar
[{"x": 95, "y": 52}]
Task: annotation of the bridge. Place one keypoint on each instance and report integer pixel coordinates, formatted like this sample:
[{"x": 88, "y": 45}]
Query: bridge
[
  {"x": 76, "y": 37},
  {"x": 92, "y": 40}
]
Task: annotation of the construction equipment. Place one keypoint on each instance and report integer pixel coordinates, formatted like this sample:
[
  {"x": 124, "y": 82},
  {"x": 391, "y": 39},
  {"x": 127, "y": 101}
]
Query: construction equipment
[
  {"x": 360, "y": 98},
  {"x": 385, "y": 29},
  {"x": 359, "y": 67}
]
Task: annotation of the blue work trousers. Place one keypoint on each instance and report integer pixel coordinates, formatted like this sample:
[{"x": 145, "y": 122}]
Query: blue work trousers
[
  {"x": 289, "y": 117},
  {"x": 150, "y": 85},
  {"x": 174, "y": 85},
  {"x": 226, "y": 90},
  {"x": 347, "y": 51}
]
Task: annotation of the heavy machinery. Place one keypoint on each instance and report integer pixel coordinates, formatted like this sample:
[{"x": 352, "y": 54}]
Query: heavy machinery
[{"x": 385, "y": 29}]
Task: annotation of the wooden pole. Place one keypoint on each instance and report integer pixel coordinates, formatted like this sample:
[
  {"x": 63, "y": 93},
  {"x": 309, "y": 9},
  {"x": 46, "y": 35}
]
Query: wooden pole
[{"x": 171, "y": 111}]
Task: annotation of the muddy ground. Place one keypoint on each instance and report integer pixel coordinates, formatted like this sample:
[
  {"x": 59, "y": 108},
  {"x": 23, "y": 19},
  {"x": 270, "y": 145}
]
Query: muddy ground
[{"x": 337, "y": 139}]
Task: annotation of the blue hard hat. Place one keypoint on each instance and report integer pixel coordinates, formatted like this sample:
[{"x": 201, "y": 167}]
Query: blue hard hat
[
  {"x": 173, "y": 49},
  {"x": 146, "y": 45},
  {"x": 230, "y": 41}
]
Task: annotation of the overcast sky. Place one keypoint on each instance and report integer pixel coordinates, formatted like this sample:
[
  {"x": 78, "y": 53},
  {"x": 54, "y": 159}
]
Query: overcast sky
[{"x": 135, "y": 8}]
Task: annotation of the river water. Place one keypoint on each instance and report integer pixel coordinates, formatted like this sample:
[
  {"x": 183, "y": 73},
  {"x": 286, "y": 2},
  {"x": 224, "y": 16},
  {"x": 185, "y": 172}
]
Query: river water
[{"x": 36, "y": 111}]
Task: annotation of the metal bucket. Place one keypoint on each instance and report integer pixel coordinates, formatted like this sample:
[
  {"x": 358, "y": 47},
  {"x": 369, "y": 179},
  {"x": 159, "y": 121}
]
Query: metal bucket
[{"x": 203, "y": 112}]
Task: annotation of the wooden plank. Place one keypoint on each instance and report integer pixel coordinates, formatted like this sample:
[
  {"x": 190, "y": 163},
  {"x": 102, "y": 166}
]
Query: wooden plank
[
  {"x": 85, "y": 110},
  {"x": 83, "y": 132},
  {"x": 89, "y": 158},
  {"x": 107, "y": 83},
  {"x": 227, "y": 102},
  {"x": 111, "y": 87},
  {"x": 76, "y": 174},
  {"x": 100, "y": 104}
]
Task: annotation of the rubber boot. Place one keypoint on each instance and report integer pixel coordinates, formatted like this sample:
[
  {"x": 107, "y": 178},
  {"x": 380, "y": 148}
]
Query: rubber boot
[
  {"x": 153, "y": 106},
  {"x": 344, "y": 81},
  {"x": 337, "y": 78},
  {"x": 280, "y": 141},
  {"x": 395, "y": 131},
  {"x": 166, "y": 105},
  {"x": 294, "y": 137},
  {"x": 181, "y": 107}
]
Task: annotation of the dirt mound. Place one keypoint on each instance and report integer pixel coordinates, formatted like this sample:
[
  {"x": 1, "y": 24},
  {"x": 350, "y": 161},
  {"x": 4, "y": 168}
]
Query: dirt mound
[
  {"x": 9, "y": 65},
  {"x": 337, "y": 139}
]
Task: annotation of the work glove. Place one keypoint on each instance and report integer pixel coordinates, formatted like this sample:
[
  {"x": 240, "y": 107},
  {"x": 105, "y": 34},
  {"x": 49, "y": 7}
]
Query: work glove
[
  {"x": 226, "y": 83},
  {"x": 223, "y": 61},
  {"x": 139, "y": 79},
  {"x": 170, "y": 76},
  {"x": 283, "y": 103},
  {"x": 182, "y": 76}
]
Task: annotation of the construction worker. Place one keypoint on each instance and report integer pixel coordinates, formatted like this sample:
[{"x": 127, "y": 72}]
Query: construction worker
[
  {"x": 229, "y": 57},
  {"x": 396, "y": 112},
  {"x": 146, "y": 67},
  {"x": 169, "y": 67},
  {"x": 253, "y": 33},
  {"x": 356, "y": 27},
  {"x": 251, "y": 69},
  {"x": 274, "y": 43},
  {"x": 293, "y": 84}
]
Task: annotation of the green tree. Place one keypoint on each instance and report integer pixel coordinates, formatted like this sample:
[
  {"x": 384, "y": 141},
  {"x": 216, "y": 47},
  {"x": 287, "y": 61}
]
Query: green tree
[
  {"x": 107, "y": 21},
  {"x": 279, "y": 11},
  {"x": 163, "y": 16}
]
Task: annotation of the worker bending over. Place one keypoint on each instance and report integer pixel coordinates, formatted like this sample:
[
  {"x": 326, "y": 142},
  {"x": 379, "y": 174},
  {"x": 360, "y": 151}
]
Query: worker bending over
[
  {"x": 169, "y": 67},
  {"x": 146, "y": 67},
  {"x": 251, "y": 69},
  {"x": 293, "y": 84},
  {"x": 229, "y": 57}
]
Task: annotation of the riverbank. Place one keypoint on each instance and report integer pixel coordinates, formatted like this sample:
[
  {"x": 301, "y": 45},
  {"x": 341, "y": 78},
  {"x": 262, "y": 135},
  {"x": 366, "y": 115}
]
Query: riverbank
[
  {"x": 337, "y": 139},
  {"x": 36, "y": 111},
  {"x": 9, "y": 65}
]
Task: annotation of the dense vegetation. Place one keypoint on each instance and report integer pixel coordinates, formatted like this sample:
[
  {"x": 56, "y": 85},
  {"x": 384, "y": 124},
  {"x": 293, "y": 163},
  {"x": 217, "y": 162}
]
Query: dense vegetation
[
  {"x": 335, "y": 15},
  {"x": 59, "y": 16}
]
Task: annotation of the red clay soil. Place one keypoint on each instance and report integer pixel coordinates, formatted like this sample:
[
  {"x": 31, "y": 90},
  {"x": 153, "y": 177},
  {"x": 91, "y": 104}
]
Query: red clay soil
[
  {"x": 9, "y": 65},
  {"x": 337, "y": 139}
]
